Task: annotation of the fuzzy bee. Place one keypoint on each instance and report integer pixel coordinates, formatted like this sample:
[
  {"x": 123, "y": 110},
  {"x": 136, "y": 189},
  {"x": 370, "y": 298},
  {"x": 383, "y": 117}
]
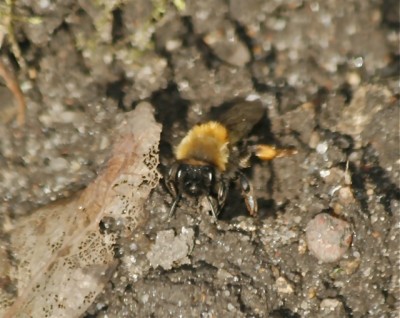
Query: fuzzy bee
[{"x": 208, "y": 158}]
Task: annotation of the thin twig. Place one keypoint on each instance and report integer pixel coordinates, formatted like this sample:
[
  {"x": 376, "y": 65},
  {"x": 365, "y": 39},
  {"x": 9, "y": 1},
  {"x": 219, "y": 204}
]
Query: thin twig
[
  {"x": 13, "y": 86},
  {"x": 11, "y": 35}
]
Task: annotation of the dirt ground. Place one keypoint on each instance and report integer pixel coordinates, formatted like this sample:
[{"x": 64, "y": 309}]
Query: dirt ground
[{"x": 327, "y": 74}]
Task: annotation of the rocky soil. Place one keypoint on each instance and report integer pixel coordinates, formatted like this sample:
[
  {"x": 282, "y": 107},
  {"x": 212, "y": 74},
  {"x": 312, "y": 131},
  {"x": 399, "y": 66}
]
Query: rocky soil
[{"x": 325, "y": 242}]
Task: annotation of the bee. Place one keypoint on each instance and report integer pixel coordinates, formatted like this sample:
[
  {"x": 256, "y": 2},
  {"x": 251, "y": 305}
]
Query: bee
[{"x": 209, "y": 159}]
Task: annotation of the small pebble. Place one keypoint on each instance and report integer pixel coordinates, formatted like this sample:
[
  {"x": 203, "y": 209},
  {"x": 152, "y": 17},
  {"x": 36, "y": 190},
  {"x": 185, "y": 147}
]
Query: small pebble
[
  {"x": 314, "y": 140},
  {"x": 322, "y": 147},
  {"x": 283, "y": 286},
  {"x": 328, "y": 238},
  {"x": 353, "y": 79},
  {"x": 331, "y": 307},
  {"x": 59, "y": 164},
  {"x": 346, "y": 195}
]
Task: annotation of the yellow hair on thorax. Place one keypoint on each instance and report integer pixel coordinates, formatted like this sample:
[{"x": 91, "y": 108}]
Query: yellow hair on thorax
[{"x": 206, "y": 142}]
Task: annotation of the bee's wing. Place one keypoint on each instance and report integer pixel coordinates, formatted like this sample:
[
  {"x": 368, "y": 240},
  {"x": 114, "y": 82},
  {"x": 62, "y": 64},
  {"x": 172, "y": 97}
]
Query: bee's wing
[{"x": 241, "y": 118}]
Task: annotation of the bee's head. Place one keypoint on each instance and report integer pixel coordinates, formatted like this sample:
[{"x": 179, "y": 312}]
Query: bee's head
[{"x": 195, "y": 180}]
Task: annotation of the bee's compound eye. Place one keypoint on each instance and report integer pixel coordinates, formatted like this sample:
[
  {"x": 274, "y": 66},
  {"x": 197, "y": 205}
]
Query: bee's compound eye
[
  {"x": 210, "y": 176},
  {"x": 179, "y": 174}
]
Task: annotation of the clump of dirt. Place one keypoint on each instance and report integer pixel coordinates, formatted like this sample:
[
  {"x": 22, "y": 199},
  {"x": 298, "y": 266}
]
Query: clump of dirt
[{"x": 327, "y": 76}]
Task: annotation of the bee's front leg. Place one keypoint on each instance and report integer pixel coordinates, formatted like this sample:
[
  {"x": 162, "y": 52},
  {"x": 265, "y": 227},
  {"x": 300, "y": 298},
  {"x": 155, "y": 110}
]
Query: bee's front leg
[
  {"x": 173, "y": 206},
  {"x": 171, "y": 184},
  {"x": 171, "y": 179},
  {"x": 213, "y": 206}
]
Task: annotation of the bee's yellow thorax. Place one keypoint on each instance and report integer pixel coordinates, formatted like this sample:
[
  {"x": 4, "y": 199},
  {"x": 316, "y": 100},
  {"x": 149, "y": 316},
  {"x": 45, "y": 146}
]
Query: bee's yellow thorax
[{"x": 206, "y": 142}]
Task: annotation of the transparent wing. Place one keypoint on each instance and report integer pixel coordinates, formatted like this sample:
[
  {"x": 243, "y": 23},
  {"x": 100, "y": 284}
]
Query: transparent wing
[{"x": 240, "y": 118}]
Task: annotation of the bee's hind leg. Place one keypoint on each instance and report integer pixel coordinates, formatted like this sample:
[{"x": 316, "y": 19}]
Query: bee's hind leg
[
  {"x": 268, "y": 152},
  {"x": 247, "y": 193}
]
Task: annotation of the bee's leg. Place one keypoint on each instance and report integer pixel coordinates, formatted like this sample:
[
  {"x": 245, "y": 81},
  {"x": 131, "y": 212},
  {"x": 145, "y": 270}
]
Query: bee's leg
[
  {"x": 267, "y": 152},
  {"x": 214, "y": 207},
  {"x": 244, "y": 159},
  {"x": 247, "y": 193},
  {"x": 170, "y": 179},
  {"x": 174, "y": 205},
  {"x": 171, "y": 184},
  {"x": 222, "y": 193},
  {"x": 217, "y": 201}
]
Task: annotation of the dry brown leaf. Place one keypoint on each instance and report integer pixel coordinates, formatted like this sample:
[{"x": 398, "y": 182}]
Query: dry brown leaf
[{"x": 62, "y": 260}]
